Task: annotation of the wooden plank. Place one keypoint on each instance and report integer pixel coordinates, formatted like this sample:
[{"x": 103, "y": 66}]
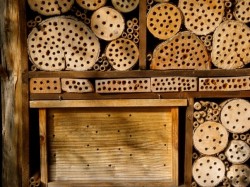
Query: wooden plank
[
  {"x": 113, "y": 144},
  {"x": 188, "y": 143},
  {"x": 143, "y": 34},
  {"x": 143, "y": 73},
  {"x": 15, "y": 126},
  {"x": 109, "y": 103},
  {"x": 43, "y": 146}
]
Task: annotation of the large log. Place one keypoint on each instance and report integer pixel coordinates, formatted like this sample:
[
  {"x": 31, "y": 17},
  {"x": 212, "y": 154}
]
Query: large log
[
  {"x": 60, "y": 43},
  {"x": 242, "y": 11},
  {"x": 239, "y": 175}
]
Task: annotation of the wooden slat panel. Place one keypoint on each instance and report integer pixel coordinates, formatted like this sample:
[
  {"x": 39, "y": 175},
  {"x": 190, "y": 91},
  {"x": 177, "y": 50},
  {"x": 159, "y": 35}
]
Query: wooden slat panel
[
  {"x": 109, "y": 103},
  {"x": 45, "y": 85},
  {"x": 113, "y": 144}
]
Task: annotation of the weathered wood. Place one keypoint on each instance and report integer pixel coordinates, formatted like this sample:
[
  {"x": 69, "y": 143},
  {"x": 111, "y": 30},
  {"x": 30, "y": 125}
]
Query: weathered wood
[
  {"x": 91, "y": 4},
  {"x": 202, "y": 17},
  {"x": 49, "y": 51},
  {"x": 239, "y": 175},
  {"x": 183, "y": 51},
  {"x": 235, "y": 116},
  {"x": 125, "y": 6},
  {"x": 241, "y": 11},
  {"x": 208, "y": 171},
  {"x": 122, "y": 54},
  {"x": 122, "y": 85},
  {"x": 45, "y": 85},
  {"x": 107, "y": 23},
  {"x": 15, "y": 123},
  {"x": 121, "y": 136},
  {"x": 43, "y": 147},
  {"x": 109, "y": 103},
  {"x": 143, "y": 35},
  {"x": 164, "y": 20},
  {"x": 230, "y": 45}
]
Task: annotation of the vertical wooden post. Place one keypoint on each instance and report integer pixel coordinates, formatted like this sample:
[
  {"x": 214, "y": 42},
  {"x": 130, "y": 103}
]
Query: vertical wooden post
[
  {"x": 15, "y": 123},
  {"x": 143, "y": 34},
  {"x": 189, "y": 143},
  {"x": 175, "y": 122},
  {"x": 43, "y": 147}
]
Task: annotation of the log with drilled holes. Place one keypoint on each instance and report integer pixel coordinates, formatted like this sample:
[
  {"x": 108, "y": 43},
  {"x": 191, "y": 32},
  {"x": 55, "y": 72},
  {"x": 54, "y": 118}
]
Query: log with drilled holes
[
  {"x": 202, "y": 17},
  {"x": 63, "y": 43},
  {"x": 173, "y": 84},
  {"x": 107, "y": 23},
  {"x": 125, "y": 5},
  {"x": 224, "y": 83},
  {"x": 164, "y": 20},
  {"x": 123, "y": 85},
  {"x": 239, "y": 175},
  {"x": 208, "y": 171},
  {"x": 210, "y": 138},
  {"x": 237, "y": 152},
  {"x": 91, "y": 4},
  {"x": 122, "y": 54},
  {"x": 77, "y": 85},
  {"x": 235, "y": 116},
  {"x": 45, "y": 85},
  {"x": 242, "y": 11},
  {"x": 183, "y": 51},
  {"x": 231, "y": 45},
  {"x": 50, "y": 7}
]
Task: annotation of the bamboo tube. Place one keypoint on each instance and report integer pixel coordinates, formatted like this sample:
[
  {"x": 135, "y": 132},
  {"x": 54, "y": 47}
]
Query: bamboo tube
[
  {"x": 31, "y": 24},
  {"x": 33, "y": 68},
  {"x": 222, "y": 156},
  {"x": 195, "y": 156},
  {"x": 38, "y": 19},
  {"x": 197, "y": 106},
  {"x": 104, "y": 57},
  {"x": 78, "y": 13},
  {"x": 197, "y": 115},
  {"x": 136, "y": 40},
  {"x": 243, "y": 137},
  {"x": 215, "y": 118},
  {"x": 130, "y": 36},
  {"x": 248, "y": 141},
  {"x": 149, "y": 7},
  {"x": 225, "y": 179},
  {"x": 214, "y": 105},
  {"x": 130, "y": 30},
  {"x": 224, "y": 18},
  {"x": 210, "y": 111},
  {"x": 209, "y": 48},
  {"x": 209, "y": 117},
  {"x": 209, "y": 37},
  {"x": 216, "y": 112},
  {"x": 149, "y": 57},
  {"x": 135, "y": 20},
  {"x": 129, "y": 23},
  {"x": 194, "y": 184},
  {"x": 102, "y": 68},
  {"x": 207, "y": 43},
  {"x": 35, "y": 177},
  {"x": 136, "y": 34},
  {"x": 87, "y": 21},
  {"x": 235, "y": 136},
  {"x": 136, "y": 27},
  {"x": 96, "y": 67},
  {"x": 229, "y": 15},
  {"x": 203, "y": 114},
  {"x": 201, "y": 120},
  {"x": 105, "y": 63},
  {"x": 196, "y": 124},
  {"x": 228, "y": 4},
  {"x": 150, "y": 2},
  {"x": 226, "y": 184},
  {"x": 124, "y": 35},
  {"x": 203, "y": 38},
  {"x": 100, "y": 59},
  {"x": 83, "y": 16}
]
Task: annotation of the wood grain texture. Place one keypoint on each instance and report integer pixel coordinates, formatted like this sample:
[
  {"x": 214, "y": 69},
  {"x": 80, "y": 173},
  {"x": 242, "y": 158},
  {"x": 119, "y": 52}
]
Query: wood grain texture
[
  {"x": 113, "y": 144},
  {"x": 109, "y": 103},
  {"x": 15, "y": 134},
  {"x": 143, "y": 34}
]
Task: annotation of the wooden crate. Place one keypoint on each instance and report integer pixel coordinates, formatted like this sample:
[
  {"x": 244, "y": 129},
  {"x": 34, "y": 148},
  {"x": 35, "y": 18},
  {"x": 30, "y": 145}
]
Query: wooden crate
[{"x": 110, "y": 145}]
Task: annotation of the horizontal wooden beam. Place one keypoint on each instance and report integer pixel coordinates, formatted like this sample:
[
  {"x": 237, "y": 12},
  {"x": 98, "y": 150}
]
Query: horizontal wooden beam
[
  {"x": 109, "y": 103},
  {"x": 142, "y": 73}
]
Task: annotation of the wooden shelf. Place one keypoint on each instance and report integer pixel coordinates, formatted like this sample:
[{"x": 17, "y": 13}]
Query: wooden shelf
[{"x": 142, "y": 73}]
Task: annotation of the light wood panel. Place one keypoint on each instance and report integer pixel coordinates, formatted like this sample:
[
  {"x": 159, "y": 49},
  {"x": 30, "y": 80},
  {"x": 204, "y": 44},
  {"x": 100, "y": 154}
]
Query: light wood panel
[{"x": 113, "y": 144}]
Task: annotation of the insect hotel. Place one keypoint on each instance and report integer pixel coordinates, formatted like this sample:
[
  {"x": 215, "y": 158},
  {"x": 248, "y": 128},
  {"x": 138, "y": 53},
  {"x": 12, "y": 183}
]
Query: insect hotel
[{"x": 125, "y": 93}]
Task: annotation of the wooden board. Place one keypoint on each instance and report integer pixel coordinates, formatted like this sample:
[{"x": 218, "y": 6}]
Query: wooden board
[{"x": 113, "y": 144}]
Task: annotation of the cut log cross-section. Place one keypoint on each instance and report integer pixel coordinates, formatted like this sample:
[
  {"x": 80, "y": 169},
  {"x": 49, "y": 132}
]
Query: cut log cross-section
[
  {"x": 239, "y": 175},
  {"x": 91, "y": 4},
  {"x": 125, "y": 5},
  {"x": 242, "y": 11}
]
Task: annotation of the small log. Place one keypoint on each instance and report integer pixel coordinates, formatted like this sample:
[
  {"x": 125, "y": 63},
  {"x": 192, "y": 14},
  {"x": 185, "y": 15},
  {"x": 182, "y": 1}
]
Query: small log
[
  {"x": 77, "y": 85},
  {"x": 164, "y": 20},
  {"x": 122, "y": 85},
  {"x": 91, "y": 4},
  {"x": 45, "y": 85},
  {"x": 224, "y": 83},
  {"x": 235, "y": 116},
  {"x": 173, "y": 84},
  {"x": 198, "y": 17},
  {"x": 208, "y": 171},
  {"x": 125, "y": 5},
  {"x": 237, "y": 152},
  {"x": 183, "y": 51},
  {"x": 210, "y": 138},
  {"x": 242, "y": 12},
  {"x": 122, "y": 54},
  {"x": 239, "y": 175},
  {"x": 50, "y": 7},
  {"x": 230, "y": 45},
  {"x": 49, "y": 51}
]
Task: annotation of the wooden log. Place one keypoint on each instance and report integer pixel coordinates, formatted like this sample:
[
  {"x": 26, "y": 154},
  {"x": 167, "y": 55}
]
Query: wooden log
[
  {"x": 48, "y": 50},
  {"x": 237, "y": 152},
  {"x": 235, "y": 116},
  {"x": 77, "y": 85},
  {"x": 241, "y": 11},
  {"x": 173, "y": 84},
  {"x": 122, "y": 54},
  {"x": 183, "y": 51},
  {"x": 125, "y": 6},
  {"x": 45, "y": 85},
  {"x": 51, "y": 7},
  {"x": 208, "y": 171},
  {"x": 122, "y": 85},
  {"x": 239, "y": 175},
  {"x": 164, "y": 20},
  {"x": 231, "y": 45},
  {"x": 202, "y": 17},
  {"x": 107, "y": 23},
  {"x": 91, "y": 4},
  {"x": 210, "y": 138}
]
